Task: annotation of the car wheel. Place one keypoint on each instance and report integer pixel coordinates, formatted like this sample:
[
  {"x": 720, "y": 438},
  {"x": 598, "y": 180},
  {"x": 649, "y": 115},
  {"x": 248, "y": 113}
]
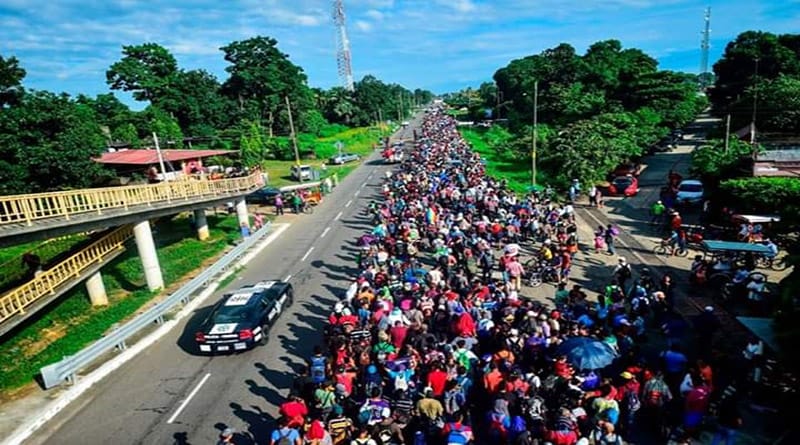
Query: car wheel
[{"x": 289, "y": 299}]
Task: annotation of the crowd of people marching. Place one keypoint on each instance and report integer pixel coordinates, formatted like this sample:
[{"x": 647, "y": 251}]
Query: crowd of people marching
[{"x": 435, "y": 343}]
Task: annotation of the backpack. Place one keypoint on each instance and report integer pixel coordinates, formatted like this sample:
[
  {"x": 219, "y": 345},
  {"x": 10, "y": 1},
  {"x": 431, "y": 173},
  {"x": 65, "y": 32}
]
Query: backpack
[
  {"x": 457, "y": 436},
  {"x": 317, "y": 369},
  {"x": 284, "y": 439},
  {"x": 400, "y": 382},
  {"x": 625, "y": 271},
  {"x": 654, "y": 399},
  {"x": 632, "y": 402},
  {"x": 614, "y": 231}
]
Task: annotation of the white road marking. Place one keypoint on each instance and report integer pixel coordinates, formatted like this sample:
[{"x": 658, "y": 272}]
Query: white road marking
[
  {"x": 364, "y": 184},
  {"x": 288, "y": 277},
  {"x": 357, "y": 193},
  {"x": 348, "y": 203},
  {"x": 188, "y": 398},
  {"x": 338, "y": 215},
  {"x": 310, "y": 249},
  {"x": 370, "y": 175},
  {"x": 325, "y": 232}
]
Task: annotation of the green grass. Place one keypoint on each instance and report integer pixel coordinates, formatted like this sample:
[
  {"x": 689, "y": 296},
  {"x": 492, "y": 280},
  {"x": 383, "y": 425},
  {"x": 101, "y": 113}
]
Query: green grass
[
  {"x": 356, "y": 140},
  {"x": 73, "y": 323},
  {"x": 11, "y": 257},
  {"x": 501, "y": 165}
]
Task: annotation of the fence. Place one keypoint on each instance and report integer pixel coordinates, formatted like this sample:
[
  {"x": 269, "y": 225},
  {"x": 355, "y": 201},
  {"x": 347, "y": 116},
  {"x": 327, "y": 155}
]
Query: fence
[
  {"x": 47, "y": 282},
  {"x": 66, "y": 369},
  {"x": 27, "y": 209}
]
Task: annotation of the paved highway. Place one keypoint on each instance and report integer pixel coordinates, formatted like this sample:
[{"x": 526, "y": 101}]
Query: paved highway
[{"x": 168, "y": 395}]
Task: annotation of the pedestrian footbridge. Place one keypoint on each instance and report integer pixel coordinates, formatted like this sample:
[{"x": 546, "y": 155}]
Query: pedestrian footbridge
[
  {"x": 124, "y": 211},
  {"x": 38, "y": 216}
]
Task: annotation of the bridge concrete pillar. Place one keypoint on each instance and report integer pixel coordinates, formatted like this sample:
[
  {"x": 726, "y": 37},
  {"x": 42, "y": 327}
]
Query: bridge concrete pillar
[
  {"x": 241, "y": 212},
  {"x": 147, "y": 253},
  {"x": 97, "y": 290},
  {"x": 201, "y": 223}
]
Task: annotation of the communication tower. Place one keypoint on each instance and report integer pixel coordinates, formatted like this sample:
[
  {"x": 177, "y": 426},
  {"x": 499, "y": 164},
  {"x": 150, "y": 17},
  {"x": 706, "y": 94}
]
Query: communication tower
[
  {"x": 704, "y": 45},
  {"x": 342, "y": 47}
]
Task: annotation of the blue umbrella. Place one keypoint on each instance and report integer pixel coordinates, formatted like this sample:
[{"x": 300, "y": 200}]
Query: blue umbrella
[{"x": 587, "y": 352}]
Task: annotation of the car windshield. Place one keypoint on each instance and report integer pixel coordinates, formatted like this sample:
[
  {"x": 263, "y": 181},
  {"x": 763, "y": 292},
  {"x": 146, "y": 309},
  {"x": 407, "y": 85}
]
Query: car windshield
[
  {"x": 232, "y": 314},
  {"x": 692, "y": 188},
  {"x": 623, "y": 182}
]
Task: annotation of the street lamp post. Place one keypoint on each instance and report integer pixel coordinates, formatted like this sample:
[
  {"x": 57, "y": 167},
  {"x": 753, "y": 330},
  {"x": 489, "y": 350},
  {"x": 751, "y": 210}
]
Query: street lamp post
[{"x": 535, "y": 130}]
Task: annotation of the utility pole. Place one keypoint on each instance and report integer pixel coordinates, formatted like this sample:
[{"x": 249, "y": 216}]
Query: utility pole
[
  {"x": 291, "y": 128},
  {"x": 755, "y": 105},
  {"x": 535, "y": 130},
  {"x": 160, "y": 158},
  {"x": 727, "y": 131}
]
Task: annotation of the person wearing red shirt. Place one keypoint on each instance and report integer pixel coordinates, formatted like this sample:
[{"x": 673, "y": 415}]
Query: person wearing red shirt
[
  {"x": 398, "y": 334},
  {"x": 493, "y": 380},
  {"x": 295, "y": 411},
  {"x": 562, "y": 368},
  {"x": 437, "y": 379}
]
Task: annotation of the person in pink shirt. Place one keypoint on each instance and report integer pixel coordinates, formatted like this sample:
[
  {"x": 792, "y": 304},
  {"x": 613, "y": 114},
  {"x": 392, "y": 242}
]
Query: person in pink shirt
[{"x": 515, "y": 272}]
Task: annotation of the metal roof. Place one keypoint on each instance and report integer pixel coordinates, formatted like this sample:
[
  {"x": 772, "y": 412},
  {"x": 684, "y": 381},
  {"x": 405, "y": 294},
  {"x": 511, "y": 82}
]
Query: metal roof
[{"x": 149, "y": 157}]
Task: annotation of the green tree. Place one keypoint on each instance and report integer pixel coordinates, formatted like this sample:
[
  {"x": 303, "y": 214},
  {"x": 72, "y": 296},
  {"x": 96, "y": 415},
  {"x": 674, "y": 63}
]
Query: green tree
[
  {"x": 736, "y": 70},
  {"x": 164, "y": 126},
  {"x": 126, "y": 133},
  {"x": 261, "y": 77},
  {"x": 195, "y": 100},
  {"x": 712, "y": 162},
  {"x": 148, "y": 71},
  {"x": 48, "y": 142},
  {"x": 11, "y": 75},
  {"x": 779, "y": 109}
]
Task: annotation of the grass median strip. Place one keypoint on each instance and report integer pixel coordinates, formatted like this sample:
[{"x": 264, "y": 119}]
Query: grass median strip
[{"x": 72, "y": 323}]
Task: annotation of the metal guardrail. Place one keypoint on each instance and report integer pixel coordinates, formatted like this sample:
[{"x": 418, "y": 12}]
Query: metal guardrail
[
  {"x": 47, "y": 282},
  {"x": 66, "y": 369},
  {"x": 31, "y": 208}
]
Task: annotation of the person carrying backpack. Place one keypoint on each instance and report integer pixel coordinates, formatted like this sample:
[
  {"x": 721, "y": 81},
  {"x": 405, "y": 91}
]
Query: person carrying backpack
[
  {"x": 611, "y": 233},
  {"x": 630, "y": 403},
  {"x": 318, "y": 366},
  {"x": 622, "y": 273},
  {"x": 456, "y": 433},
  {"x": 285, "y": 435}
]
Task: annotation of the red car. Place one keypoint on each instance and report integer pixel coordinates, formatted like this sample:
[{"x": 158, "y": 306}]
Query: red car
[{"x": 626, "y": 185}]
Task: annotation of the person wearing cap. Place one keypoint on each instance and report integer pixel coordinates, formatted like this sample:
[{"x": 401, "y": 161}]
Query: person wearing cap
[
  {"x": 428, "y": 406},
  {"x": 657, "y": 212},
  {"x": 628, "y": 398},
  {"x": 226, "y": 436},
  {"x": 705, "y": 326}
]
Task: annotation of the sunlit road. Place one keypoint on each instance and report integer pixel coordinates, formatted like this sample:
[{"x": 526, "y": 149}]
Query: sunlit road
[{"x": 169, "y": 395}]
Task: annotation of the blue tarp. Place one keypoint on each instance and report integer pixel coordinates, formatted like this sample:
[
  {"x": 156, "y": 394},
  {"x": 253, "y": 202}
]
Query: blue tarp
[{"x": 731, "y": 246}]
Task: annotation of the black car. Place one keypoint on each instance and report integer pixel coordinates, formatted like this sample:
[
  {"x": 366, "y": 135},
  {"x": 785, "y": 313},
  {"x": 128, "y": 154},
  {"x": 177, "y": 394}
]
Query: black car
[
  {"x": 242, "y": 319},
  {"x": 265, "y": 196}
]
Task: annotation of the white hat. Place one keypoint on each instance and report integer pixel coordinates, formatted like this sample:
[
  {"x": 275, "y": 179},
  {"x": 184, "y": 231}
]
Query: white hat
[
  {"x": 709, "y": 309},
  {"x": 338, "y": 307},
  {"x": 622, "y": 259},
  {"x": 514, "y": 332}
]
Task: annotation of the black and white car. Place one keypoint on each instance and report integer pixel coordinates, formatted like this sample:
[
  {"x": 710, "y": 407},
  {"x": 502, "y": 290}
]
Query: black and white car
[{"x": 242, "y": 319}]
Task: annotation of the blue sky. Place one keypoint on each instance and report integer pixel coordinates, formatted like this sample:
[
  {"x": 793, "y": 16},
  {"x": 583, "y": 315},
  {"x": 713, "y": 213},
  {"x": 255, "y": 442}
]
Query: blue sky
[{"x": 441, "y": 45}]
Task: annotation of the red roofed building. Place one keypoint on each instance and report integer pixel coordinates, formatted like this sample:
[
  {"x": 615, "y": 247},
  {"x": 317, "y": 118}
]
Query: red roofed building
[{"x": 126, "y": 162}]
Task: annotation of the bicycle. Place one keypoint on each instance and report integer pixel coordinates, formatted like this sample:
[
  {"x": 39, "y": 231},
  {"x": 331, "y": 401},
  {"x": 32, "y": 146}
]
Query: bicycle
[
  {"x": 774, "y": 263},
  {"x": 666, "y": 249}
]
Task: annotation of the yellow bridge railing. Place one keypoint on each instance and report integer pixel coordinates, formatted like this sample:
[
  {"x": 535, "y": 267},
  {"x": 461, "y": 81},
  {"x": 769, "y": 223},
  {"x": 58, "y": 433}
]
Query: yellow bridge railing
[
  {"x": 28, "y": 209},
  {"x": 47, "y": 282}
]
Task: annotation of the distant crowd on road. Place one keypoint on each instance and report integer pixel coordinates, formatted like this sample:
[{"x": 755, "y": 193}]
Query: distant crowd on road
[{"x": 435, "y": 341}]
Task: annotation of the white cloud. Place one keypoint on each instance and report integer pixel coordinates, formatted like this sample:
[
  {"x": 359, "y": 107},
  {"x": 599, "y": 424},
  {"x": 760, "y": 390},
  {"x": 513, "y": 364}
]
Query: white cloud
[
  {"x": 374, "y": 14},
  {"x": 363, "y": 26},
  {"x": 461, "y": 6}
]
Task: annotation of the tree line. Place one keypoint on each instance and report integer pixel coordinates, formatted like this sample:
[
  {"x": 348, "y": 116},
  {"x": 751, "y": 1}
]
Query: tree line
[
  {"x": 47, "y": 140},
  {"x": 594, "y": 110}
]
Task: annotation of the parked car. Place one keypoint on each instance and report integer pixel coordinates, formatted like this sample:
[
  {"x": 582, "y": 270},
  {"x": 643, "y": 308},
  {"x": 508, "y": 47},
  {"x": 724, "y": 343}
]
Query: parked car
[
  {"x": 628, "y": 168},
  {"x": 626, "y": 186},
  {"x": 301, "y": 172},
  {"x": 264, "y": 196},
  {"x": 242, "y": 319},
  {"x": 690, "y": 191},
  {"x": 344, "y": 158}
]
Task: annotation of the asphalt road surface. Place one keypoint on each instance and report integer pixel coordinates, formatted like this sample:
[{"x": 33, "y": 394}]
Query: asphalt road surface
[{"x": 169, "y": 395}]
